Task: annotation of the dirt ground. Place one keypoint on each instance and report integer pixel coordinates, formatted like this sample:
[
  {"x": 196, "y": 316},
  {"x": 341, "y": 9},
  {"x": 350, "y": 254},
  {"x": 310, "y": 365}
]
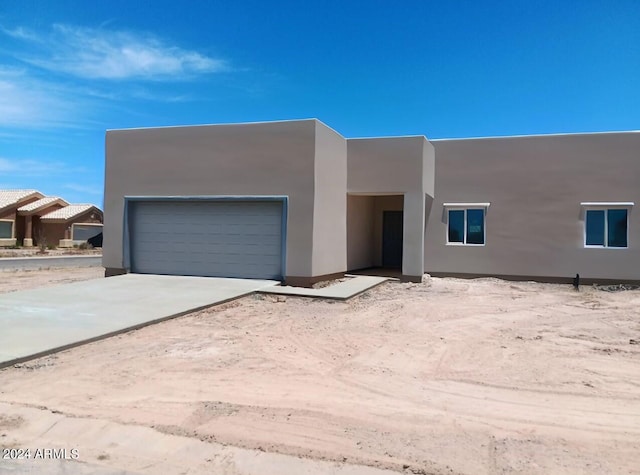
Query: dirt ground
[
  {"x": 448, "y": 376},
  {"x": 35, "y": 252},
  {"x": 12, "y": 280}
]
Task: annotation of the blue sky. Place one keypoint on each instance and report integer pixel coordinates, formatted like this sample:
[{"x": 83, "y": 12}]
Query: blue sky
[{"x": 69, "y": 70}]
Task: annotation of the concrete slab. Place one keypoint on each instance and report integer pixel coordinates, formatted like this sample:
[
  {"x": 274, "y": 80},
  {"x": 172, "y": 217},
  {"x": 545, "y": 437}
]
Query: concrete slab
[
  {"x": 341, "y": 291},
  {"x": 41, "y": 321},
  {"x": 52, "y": 262}
]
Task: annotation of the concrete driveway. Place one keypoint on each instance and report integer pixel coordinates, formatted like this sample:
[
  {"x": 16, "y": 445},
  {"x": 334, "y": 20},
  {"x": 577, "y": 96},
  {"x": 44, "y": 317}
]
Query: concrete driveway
[{"x": 36, "y": 322}]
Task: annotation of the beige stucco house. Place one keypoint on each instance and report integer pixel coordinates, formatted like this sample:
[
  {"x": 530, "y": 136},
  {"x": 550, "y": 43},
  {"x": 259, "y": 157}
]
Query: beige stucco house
[{"x": 296, "y": 201}]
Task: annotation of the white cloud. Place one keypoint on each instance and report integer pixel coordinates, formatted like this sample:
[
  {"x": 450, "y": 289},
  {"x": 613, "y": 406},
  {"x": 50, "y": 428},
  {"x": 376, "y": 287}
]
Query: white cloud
[
  {"x": 29, "y": 102},
  {"x": 21, "y": 34},
  {"x": 107, "y": 54},
  {"x": 56, "y": 87},
  {"x": 32, "y": 168}
]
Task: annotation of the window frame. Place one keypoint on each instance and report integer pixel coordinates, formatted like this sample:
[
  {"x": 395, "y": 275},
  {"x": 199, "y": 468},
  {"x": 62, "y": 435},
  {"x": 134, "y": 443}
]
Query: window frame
[
  {"x": 466, "y": 207},
  {"x": 13, "y": 228},
  {"x": 605, "y": 207}
]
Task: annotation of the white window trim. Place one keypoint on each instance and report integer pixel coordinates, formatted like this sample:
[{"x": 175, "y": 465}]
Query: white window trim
[
  {"x": 607, "y": 204},
  {"x": 604, "y": 206},
  {"x": 13, "y": 227},
  {"x": 464, "y": 207}
]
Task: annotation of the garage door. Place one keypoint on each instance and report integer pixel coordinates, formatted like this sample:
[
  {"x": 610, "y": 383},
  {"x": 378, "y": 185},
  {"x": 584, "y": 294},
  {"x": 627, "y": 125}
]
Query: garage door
[{"x": 207, "y": 238}]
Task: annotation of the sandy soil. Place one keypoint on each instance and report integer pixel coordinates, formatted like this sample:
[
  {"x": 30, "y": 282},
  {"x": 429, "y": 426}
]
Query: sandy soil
[
  {"x": 35, "y": 252},
  {"x": 12, "y": 280},
  {"x": 448, "y": 376}
]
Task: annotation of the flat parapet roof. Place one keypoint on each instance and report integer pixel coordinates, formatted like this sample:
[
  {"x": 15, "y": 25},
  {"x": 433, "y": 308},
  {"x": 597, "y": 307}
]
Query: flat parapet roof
[
  {"x": 390, "y": 137},
  {"x": 228, "y": 124},
  {"x": 218, "y": 124},
  {"x": 409, "y": 136},
  {"x": 571, "y": 134}
]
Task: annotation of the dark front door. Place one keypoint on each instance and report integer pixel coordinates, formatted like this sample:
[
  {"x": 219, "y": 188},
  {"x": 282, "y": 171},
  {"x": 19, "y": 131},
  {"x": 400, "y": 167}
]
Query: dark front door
[{"x": 392, "y": 239}]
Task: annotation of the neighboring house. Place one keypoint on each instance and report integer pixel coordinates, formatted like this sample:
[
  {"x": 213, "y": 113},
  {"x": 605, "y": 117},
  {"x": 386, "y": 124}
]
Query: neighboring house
[
  {"x": 10, "y": 225},
  {"x": 73, "y": 224},
  {"x": 29, "y": 218},
  {"x": 296, "y": 201}
]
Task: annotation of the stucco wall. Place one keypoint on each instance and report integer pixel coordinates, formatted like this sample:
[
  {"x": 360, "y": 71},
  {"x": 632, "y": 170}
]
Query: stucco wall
[
  {"x": 386, "y": 164},
  {"x": 360, "y": 232},
  {"x": 330, "y": 203},
  {"x": 50, "y": 232},
  {"x": 9, "y": 214},
  {"x": 534, "y": 226},
  {"x": 275, "y": 158},
  {"x": 428, "y": 168}
]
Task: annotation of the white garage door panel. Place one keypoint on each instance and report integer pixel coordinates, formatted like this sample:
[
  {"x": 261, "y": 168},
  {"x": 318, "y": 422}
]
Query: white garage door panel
[{"x": 207, "y": 238}]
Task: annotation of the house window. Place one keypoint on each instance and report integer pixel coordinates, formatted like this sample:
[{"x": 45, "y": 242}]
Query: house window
[
  {"x": 6, "y": 229},
  {"x": 466, "y": 226},
  {"x": 85, "y": 231},
  {"x": 606, "y": 227}
]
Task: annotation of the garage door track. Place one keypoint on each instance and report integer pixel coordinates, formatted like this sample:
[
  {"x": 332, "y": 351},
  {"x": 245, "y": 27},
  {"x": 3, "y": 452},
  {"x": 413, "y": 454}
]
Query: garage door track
[{"x": 37, "y": 322}]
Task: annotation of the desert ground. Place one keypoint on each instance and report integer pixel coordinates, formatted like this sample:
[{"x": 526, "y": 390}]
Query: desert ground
[
  {"x": 13, "y": 280},
  {"x": 448, "y": 376},
  {"x": 36, "y": 252}
]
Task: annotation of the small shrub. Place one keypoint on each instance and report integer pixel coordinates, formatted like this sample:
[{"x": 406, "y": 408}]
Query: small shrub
[
  {"x": 51, "y": 247},
  {"x": 84, "y": 246}
]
